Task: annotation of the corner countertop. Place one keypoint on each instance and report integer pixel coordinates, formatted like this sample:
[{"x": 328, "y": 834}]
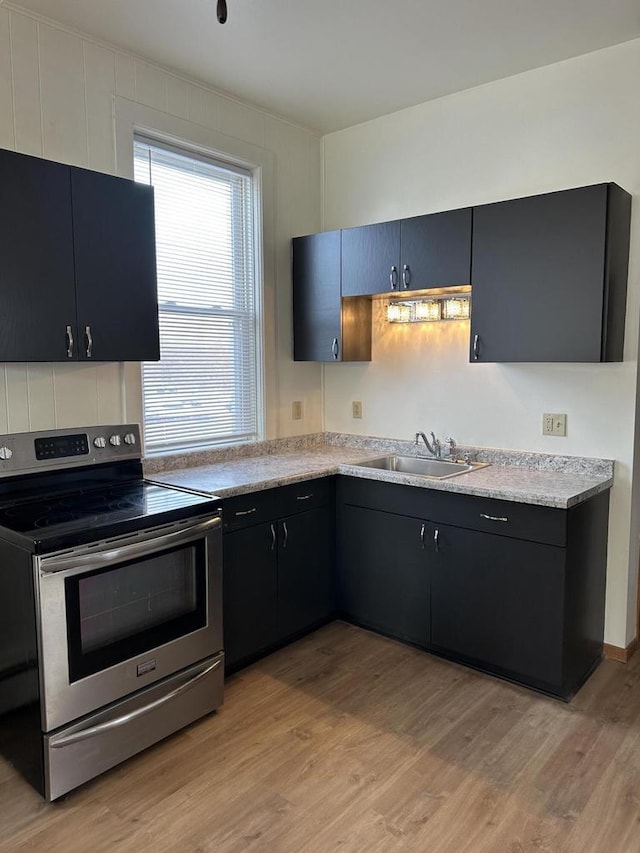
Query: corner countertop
[{"x": 530, "y": 478}]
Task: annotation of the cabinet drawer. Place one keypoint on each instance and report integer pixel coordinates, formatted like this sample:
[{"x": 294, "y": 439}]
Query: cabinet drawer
[
  {"x": 303, "y": 496},
  {"x": 247, "y": 510},
  {"x": 505, "y": 518}
]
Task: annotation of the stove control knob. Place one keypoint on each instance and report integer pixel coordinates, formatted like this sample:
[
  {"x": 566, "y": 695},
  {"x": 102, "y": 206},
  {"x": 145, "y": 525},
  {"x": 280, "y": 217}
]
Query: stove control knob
[
  {"x": 115, "y": 440},
  {"x": 6, "y": 453},
  {"x": 130, "y": 439},
  {"x": 100, "y": 441}
]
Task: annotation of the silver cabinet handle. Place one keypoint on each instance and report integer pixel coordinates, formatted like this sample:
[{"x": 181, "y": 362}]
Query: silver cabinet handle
[
  {"x": 476, "y": 347},
  {"x": 246, "y": 511},
  {"x": 422, "y": 536},
  {"x": 69, "y": 334},
  {"x": 494, "y": 517},
  {"x": 393, "y": 277},
  {"x": 286, "y": 534},
  {"x": 406, "y": 276},
  {"x": 335, "y": 349},
  {"x": 87, "y": 334},
  {"x": 273, "y": 537},
  {"x": 304, "y": 497},
  {"x": 132, "y": 715},
  {"x": 436, "y": 539}
]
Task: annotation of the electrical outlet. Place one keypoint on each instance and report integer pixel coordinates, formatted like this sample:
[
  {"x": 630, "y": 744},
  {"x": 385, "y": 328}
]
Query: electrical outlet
[
  {"x": 296, "y": 410},
  {"x": 554, "y": 424},
  {"x": 356, "y": 408}
]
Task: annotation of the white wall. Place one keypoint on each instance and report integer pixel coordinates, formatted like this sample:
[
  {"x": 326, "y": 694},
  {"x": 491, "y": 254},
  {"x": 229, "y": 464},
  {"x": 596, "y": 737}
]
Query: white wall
[
  {"x": 56, "y": 91},
  {"x": 570, "y": 124}
]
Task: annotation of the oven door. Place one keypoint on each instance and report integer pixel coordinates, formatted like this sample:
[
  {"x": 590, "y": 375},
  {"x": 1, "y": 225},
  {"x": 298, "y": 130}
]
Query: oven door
[{"x": 121, "y": 614}]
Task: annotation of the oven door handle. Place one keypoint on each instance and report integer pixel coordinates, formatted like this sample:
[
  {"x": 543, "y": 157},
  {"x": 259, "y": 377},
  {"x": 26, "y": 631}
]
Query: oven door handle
[
  {"x": 86, "y": 559},
  {"x": 94, "y": 731}
]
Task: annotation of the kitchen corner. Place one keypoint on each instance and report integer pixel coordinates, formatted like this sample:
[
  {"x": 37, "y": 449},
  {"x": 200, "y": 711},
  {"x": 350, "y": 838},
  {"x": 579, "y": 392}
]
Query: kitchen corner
[
  {"x": 535, "y": 478},
  {"x": 467, "y": 567}
]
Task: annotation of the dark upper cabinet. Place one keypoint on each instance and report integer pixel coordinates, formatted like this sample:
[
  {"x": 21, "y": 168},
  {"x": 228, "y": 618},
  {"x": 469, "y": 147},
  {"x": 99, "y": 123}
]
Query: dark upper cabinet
[
  {"x": 77, "y": 264},
  {"x": 37, "y": 291},
  {"x": 114, "y": 247},
  {"x": 371, "y": 259},
  {"x": 549, "y": 277},
  {"x": 435, "y": 250},
  {"x": 422, "y": 252},
  {"x": 323, "y": 328}
]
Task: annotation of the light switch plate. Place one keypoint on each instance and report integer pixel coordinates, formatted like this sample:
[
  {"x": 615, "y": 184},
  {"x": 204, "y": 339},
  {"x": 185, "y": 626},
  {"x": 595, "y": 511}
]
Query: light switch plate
[
  {"x": 554, "y": 423},
  {"x": 296, "y": 410},
  {"x": 356, "y": 408}
]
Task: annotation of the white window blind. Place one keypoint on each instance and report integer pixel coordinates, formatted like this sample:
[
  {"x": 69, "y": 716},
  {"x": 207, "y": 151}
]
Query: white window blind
[{"x": 204, "y": 390}]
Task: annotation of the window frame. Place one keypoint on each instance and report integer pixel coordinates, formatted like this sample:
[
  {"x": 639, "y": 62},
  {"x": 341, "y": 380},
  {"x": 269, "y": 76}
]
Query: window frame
[
  {"x": 243, "y": 171},
  {"x": 131, "y": 118}
]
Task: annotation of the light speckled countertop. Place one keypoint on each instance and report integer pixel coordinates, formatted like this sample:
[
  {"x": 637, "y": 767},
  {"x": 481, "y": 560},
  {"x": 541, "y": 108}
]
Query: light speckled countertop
[{"x": 528, "y": 478}]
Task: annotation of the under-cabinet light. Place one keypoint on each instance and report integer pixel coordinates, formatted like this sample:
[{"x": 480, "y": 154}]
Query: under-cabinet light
[
  {"x": 399, "y": 312},
  {"x": 455, "y": 308},
  {"x": 429, "y": 310}
]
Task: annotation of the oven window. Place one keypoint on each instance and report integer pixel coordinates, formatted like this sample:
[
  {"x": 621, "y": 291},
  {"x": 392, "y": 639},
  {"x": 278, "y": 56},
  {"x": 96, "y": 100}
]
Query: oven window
[{"x": 116, "y": 613}]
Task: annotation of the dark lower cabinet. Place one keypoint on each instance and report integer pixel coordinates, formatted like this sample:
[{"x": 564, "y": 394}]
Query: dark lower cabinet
[
  {"x": 250, "y": 593},
  {"x": 528, "y": 607},
  {"x": 306, "y": 555},
  {"x": 511, "y": 589},
  {"x": 499, "y": 603},
  {"x": 279, "y": 573},
  {"x": 383, "y": 572}
]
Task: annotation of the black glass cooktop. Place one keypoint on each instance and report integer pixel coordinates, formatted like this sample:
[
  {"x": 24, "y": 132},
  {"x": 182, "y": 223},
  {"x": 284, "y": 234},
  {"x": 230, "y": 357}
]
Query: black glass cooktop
[{"x": 86, "y": 515}]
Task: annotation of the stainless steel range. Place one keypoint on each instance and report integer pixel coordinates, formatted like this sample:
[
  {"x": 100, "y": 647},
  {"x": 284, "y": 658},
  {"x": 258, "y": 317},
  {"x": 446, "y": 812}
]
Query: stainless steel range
[{"x": 110, "y": 604}]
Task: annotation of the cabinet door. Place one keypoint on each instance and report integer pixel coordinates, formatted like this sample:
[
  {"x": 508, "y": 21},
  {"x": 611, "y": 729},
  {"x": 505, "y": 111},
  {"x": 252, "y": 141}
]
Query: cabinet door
[
  {"x": 316, "y": 297},
  {"x": 250, "y": 592},
  {"x": 383, "y": 574},
  {"x": 114, "y": 234},
  {"x": 538, "y": 277},
  {"x": 370, "y": 259},
  {"x": 37, "y": 290},
  {"x": 498, "y": 602},
  {"x": 435, "y": 250},
  {"x": 305, "y": 570}
]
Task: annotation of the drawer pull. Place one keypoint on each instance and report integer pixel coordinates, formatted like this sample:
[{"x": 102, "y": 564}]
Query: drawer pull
[
  {"x": 436, "y": 540},
  {"x": 286, "y": 534},
  {"x": 493, "y": 517},
  {"x": 273, "y": 538},
  {"x": 246, "y": 511},
  {"x": 304, "y": 497},
  {"x": 422, "y": 536}
]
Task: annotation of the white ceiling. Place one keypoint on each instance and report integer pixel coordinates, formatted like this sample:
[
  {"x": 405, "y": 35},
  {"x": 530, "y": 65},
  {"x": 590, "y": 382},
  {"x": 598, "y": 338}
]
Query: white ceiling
[{"x": 329, "y": 64}]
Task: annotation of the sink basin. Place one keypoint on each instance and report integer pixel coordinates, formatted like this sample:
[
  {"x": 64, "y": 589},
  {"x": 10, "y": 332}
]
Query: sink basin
[{"x": 435, "y": 469}]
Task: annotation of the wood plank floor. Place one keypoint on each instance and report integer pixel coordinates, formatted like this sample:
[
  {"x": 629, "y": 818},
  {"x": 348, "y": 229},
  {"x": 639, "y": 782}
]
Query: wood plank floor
[{"x": 350, "y": 742}]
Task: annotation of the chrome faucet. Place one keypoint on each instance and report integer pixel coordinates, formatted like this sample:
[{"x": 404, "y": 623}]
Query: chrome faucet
[{"x": 435, "y": 448}]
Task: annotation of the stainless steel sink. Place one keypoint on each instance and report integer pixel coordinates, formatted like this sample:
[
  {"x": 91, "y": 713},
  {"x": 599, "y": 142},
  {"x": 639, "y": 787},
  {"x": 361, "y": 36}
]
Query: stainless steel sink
[{"x": 434, "y": 469}]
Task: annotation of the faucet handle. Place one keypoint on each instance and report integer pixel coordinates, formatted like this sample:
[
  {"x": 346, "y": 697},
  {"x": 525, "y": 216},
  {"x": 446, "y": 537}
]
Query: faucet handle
[{"x": 452, "y": 446}]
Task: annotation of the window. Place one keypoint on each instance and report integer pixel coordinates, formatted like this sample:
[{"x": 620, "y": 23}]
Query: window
[{"x": 205, "y": 389}]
